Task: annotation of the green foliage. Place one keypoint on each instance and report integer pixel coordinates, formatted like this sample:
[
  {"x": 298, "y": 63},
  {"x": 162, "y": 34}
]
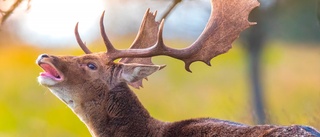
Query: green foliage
[
  {"x": 318, "y": 11},
  {"x": 294, "y": 20},
  {"x": 291, "y": 81}
]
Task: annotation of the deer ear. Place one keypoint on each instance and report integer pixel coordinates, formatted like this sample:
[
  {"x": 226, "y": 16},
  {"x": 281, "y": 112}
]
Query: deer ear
[{"x": 134, "y": 72}]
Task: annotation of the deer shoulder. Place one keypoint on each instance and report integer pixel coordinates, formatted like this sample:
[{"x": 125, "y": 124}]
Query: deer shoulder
[{"x": 95, "y": 87}]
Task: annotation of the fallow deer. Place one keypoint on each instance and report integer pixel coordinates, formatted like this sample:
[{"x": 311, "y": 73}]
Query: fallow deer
[{"x": 96, "y": 88}]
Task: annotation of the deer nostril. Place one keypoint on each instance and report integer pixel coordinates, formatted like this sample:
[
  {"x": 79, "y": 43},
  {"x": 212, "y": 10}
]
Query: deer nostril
[
  {"x": 40, "y": 57},
  {"x": 44, "y": 56}
]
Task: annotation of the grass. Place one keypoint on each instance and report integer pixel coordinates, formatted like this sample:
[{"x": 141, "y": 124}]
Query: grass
[{"x": 291, "y": 77}]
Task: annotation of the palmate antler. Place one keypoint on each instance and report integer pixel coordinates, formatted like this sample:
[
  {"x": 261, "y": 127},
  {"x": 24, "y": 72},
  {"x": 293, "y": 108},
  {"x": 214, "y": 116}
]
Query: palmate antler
[{"x": 228, "y": 18}]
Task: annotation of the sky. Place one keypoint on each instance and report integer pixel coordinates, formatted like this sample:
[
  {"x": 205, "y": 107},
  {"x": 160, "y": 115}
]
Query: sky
[{"x": 51, "y": 22}]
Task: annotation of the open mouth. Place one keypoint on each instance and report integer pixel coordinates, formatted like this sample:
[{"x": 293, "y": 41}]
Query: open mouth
[{"x": 50, "y": 71}]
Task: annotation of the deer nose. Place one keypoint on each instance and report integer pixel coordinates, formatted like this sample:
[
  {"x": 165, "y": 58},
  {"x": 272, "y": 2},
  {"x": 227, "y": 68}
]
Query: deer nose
[{"x": 43, "y": 56}]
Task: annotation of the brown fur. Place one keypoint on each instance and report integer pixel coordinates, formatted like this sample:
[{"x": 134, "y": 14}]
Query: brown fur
[
  {"x": 96, "y": 90},
  {"x": 109, "y": 108}
]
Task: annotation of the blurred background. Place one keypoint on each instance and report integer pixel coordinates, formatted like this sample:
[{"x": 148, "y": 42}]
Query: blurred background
[{"x": 271, "y": 75}]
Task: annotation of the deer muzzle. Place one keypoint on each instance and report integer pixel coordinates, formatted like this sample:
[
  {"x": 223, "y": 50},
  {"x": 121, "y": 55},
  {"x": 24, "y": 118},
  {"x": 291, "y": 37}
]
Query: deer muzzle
[{"x": 51, "y": 74}]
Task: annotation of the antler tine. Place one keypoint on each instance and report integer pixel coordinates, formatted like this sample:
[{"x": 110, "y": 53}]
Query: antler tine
[
  {"x": 175, "y": 53},
  {"x": 80, "y": 42},
  {"x": 181, "y": 54},
  {"x": 160, "y": 42},
  {"x": 106, "y": 40},
  {"x": 148, "y": 42}
]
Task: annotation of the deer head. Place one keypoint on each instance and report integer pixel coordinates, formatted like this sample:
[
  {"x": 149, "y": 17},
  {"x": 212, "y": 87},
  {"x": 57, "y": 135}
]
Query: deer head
[{"x": 84, "y": 80}]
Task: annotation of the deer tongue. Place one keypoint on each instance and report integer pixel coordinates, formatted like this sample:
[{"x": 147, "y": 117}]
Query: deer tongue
[{"x": 49, "y": 72}]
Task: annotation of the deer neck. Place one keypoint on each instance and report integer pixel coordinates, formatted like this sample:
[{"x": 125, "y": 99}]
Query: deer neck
[{"x": 120, "y": 109}]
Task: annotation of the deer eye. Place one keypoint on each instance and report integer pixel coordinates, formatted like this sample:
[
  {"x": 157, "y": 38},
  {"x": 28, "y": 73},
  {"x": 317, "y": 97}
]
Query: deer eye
[{"x": 91, "y": 66}]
